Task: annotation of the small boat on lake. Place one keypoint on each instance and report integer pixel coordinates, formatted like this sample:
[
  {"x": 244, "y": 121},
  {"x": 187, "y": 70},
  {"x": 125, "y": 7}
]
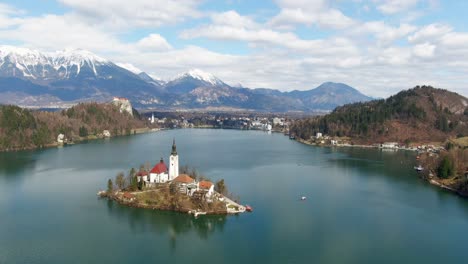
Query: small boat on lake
[
  {"x": 419, "y": 168},
  {"x": 303, "y": 198},
  {"x": 248, "y": 208}
]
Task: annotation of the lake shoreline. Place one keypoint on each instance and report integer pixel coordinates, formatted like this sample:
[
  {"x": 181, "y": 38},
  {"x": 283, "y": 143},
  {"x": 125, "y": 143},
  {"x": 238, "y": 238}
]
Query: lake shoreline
[
  {"x": 136, "y": 131},
  {"x": 438, "y": 183},
  {"x": 432, "y": 180}
]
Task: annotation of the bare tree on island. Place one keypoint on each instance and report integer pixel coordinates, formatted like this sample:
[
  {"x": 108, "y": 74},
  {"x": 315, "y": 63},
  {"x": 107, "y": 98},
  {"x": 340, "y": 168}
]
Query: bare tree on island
[
  {"x": 132, "y": 180},
  {"x": 120, "y": 180},
  {"x": 147, "y": 166}
]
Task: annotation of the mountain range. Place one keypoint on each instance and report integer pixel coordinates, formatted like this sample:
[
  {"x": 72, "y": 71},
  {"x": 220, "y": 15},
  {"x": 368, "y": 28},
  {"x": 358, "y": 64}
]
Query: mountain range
[{"x": 38, "y": 79}]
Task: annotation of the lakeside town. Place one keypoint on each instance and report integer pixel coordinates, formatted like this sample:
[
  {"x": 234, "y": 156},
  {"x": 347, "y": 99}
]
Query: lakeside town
[
  {"x": 164, "y": 188},
  {"x": 225, "y": 120}
]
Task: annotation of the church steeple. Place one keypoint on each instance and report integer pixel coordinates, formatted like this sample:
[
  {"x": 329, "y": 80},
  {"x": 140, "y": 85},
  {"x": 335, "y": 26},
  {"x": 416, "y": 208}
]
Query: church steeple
[
  {"x": 173, "y": 163},
  {"x": 174, "y": 148}
]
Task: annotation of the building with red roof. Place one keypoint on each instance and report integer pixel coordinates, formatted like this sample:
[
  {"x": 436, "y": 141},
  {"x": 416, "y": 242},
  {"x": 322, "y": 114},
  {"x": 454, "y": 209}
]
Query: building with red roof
[
  {"x": 207, "y": 187},
  {"x": 128, "y": 196},
  {"x": 142, "y": 175},
  {"x": 185, "y": 183},
  {"x": 184, "y": 179},
  {"x": 159, "y": 173}
]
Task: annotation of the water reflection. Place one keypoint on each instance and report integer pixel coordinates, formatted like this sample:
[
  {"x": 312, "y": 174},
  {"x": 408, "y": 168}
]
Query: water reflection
[
  {"x": 166, "y": 223},
  {"x": 13, "y": 164},
  {"x": 395, "y": 164}
]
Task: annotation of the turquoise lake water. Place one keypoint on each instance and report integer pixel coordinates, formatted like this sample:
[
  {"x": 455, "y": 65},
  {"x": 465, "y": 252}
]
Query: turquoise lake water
[{"x": 363, "y": 205}]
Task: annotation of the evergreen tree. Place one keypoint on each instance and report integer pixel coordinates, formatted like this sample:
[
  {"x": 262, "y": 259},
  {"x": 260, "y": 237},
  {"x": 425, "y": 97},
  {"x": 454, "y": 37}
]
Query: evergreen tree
[
  {"x": 110, "y": 187},
  {"x": 220, "y": 187},
  {"x": 134, "y": 183},
  {"x": 130, "y": 178},
  {"x": 446, "y": 168},
  {"x": 83, "y": 132}
]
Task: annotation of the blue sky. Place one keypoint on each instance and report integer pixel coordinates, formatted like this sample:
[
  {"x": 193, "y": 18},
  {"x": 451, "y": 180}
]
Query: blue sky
[{"x": 376, "y": 46}]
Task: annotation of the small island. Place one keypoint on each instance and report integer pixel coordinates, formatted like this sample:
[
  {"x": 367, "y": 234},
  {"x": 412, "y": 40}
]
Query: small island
[{"x": 163, "y": 188}]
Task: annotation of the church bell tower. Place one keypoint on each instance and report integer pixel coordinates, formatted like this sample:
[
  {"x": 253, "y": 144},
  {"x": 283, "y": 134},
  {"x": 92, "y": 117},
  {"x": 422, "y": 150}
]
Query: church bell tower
[{"x": 173, "y": 162}]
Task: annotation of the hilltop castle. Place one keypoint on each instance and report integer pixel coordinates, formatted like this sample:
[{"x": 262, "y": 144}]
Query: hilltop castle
[{"x": 124, "y": 104}]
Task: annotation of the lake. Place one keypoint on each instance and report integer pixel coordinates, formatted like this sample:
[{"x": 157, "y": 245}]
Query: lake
[{"x": 363, "y": 205}]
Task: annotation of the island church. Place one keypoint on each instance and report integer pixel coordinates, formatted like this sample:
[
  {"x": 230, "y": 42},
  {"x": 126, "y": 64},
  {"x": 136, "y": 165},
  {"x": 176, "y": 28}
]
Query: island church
[
  {"x": 160, "y": 173},
  {"x": 186, "y": 185}
]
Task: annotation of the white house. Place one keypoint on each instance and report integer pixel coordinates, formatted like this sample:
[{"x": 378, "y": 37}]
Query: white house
[
  {"x": 207, "y": 187},
  {"x": 106, "y": 133},
  {"x": 60, "y": 138},
  {"x": 185, "y": 184},
  {"x": 390, "y": 145},
  {"x": 159, "y": 173},
  {"x": 277, "y": 121},
  {"x": 142, "y": 175},
  {"x": 318, "y": 135}
]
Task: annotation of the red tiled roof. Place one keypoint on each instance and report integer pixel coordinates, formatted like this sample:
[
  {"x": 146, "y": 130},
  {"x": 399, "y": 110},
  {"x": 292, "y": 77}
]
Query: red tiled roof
[
  {"x": 142, "y": 173},
  {"x": 183, "y": 178},
  {"x": 127, "y": 195},
  {"x": 159, "y": 168},
  {"x": 205, "y": 185}
]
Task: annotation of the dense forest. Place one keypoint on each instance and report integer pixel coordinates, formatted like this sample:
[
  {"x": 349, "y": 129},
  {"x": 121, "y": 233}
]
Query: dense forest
[
  {"x": 416, "y": 115},
  {"x": 26, "y": 129}
]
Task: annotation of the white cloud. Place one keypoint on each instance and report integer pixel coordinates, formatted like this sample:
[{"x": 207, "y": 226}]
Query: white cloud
[
  {"x": 450, "y": 45},
  {"x": 154, "y": 42},
  {"x": 135, "y": 13},
  {"x": 425, "y": 50},
  {"x": 51, "y": 32},
  {"x": 232, "y": 18},
  {"x": 382, "y": 32},
  {"x": 6, "y": 9},
  {"x": 455, "y": 40},
  {"x": 396, "y": 6},
  {"x": 394, "y": 56},
  {"x": 6, "y": 15},
  {"x": 309, "y": 13},
  {"x": 430, "y": 32},
  {"x": 239, "y": 28}
]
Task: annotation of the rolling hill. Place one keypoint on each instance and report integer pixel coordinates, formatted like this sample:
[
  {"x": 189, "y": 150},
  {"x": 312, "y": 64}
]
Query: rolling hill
[{"x": 421, "y": 114}]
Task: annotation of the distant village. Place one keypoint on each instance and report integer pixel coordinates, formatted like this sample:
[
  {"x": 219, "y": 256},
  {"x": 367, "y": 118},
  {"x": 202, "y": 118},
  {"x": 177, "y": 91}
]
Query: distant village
[
  {"x": 321, "y": 139},
  {"x": 243, "y": 121}
]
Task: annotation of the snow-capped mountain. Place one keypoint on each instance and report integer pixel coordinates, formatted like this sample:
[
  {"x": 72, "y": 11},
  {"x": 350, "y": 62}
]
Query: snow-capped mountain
[
  {"x": 195, "y": 78},
  {"x": 70, "y": 75},
  {"x": 27, "y": 63},
  {"x": 33, "y": 78},
  {"x": 205, "y": 77},
  {"x": 130, "y": 67},
  {"x": 143, "y": 75}
]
